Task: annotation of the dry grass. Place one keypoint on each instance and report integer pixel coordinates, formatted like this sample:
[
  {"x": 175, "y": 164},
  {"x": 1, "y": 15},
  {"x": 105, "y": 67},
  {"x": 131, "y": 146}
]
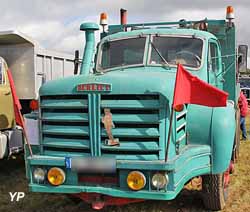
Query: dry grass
[{"x": 12, "y": 179}]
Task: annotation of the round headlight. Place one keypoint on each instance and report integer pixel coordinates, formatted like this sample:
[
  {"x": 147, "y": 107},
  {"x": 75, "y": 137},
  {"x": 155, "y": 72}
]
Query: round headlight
[
  {"x": 39, "y": 175},
  {"x": 56, "y": 176},
  {"x": 159, "y": 180},
  {"x": 136, "y": 180}
]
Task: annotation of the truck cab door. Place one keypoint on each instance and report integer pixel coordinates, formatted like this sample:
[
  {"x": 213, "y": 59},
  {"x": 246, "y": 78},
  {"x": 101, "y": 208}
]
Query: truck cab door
[
  {"x": 7, "y": 117},
  {"x": 214, "y": 65}
]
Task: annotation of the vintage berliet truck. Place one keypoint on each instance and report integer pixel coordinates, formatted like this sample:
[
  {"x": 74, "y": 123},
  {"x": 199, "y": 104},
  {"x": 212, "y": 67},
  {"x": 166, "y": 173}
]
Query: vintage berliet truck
[{"x": 103, "y": 133}]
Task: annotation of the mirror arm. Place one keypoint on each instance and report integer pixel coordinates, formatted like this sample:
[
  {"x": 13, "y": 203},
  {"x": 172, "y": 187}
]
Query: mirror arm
[{"x": 227, "y": 69}]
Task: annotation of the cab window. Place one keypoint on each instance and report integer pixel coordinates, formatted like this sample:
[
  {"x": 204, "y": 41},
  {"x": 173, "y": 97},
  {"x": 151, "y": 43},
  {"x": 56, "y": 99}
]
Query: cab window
[
  {"x": 213, "y": 57},
  {"x": 124, "y": 52},
  {"x": 184, "y": 50}
]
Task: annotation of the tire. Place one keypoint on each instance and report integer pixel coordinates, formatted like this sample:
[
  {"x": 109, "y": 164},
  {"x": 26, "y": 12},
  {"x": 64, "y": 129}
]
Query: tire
[{"x": 215, "y": 192}]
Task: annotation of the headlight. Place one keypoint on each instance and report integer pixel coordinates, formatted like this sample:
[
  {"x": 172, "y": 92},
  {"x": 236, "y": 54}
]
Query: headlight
[
  {"x": 39, "y": 175},
  {"x": 136, "y": 180},
  {"x": 159, "y": 180},
  {"x": 56, "y": 176}
]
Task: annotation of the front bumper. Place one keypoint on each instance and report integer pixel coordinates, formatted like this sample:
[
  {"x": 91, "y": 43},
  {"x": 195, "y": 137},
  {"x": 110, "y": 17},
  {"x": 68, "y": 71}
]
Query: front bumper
[
  {"x": 115, "y": 192},
  {"x": 193, "y": 162}
]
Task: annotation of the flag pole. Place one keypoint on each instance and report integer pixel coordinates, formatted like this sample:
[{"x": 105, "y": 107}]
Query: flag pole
[
  {"x": 171, "y": 117},
  {"x": 26, "y": 136},
  {"x": 17, "y": 109},
  {"x": 169, "y": 132}
]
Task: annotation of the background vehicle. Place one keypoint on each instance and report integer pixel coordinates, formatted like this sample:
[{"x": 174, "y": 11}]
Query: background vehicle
[
  {"x": 103, "y": 135},
  {"x": 30, "y": 66}
]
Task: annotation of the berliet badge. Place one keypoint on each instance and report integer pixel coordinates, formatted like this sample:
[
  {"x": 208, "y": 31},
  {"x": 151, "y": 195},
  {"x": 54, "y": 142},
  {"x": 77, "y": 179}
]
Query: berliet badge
[{"x": 108, "y": 124}]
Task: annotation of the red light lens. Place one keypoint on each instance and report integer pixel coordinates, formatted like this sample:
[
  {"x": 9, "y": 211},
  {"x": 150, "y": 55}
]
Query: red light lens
[
  {"x": 34, "y": 105},
  {"x": 179, "y": 108}
]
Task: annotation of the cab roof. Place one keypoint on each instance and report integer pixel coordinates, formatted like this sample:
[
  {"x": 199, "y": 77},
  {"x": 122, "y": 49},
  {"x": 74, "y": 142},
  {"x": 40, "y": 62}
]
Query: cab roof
[{"x": 161, "y": 31}]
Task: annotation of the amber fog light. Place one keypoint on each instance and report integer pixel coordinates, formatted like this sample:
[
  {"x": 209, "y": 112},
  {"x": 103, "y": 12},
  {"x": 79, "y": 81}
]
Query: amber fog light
[
  {"x": 56, "y": 176},
  {"x": 136, "y": 180},
  {"x": 159, "y": 180}
]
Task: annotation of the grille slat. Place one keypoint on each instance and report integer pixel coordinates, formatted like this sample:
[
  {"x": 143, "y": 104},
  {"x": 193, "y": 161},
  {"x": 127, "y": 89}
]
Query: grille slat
[
  {"x": 136, "y": 118},
  {"x": 133, "y": 132},
  {"x": 62, "y": 130},
  {"x": 131, "y": 104},
  {"x": 61, "y": 103},
  {"x": 65, "y": 117},
  {"x": 180, "y": 126},
  {"x": 64, "y": 143},
  {"x": 134, "y": 146}
]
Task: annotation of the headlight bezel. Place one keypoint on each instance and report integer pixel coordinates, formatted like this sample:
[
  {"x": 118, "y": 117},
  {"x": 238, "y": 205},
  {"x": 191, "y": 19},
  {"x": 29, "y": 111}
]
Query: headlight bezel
[
  {"x": 140, "y": 176},
  {"x": 56, "y": 176},
  {"x": 39, "y": 175},
  {"x": 161, "y": 178}
]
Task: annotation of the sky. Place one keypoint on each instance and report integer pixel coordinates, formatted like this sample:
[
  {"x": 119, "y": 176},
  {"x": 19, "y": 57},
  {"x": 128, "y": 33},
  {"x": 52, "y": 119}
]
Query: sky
[{"x": 55, "y": 23}]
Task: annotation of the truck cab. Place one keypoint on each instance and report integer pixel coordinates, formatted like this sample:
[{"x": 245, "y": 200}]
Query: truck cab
[
  {"x": 104, "y": 133},
  {"x": 11, "y": 136},
  {"x": 7, "y": 117}
]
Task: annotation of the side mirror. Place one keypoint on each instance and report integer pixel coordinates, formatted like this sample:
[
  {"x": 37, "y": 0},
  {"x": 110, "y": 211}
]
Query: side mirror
[
  {"x": 76, "y": 62},
  {"x": 242, "y": 58}
]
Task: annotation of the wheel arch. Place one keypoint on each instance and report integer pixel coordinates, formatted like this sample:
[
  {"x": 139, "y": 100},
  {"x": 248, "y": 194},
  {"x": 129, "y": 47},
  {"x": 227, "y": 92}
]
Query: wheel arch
[{"x": 222, "y": 134}]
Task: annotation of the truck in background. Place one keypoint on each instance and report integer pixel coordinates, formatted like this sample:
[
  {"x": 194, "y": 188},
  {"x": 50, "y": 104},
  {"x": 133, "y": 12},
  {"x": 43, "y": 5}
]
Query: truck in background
[
  {"x": 11, "y": 136},
  {"x": 31, "y": 66},
  {"x": 103, "y": 135}
]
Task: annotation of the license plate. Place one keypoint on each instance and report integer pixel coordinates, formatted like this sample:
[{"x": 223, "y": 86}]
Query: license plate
[{"x": 91, "y": 164}]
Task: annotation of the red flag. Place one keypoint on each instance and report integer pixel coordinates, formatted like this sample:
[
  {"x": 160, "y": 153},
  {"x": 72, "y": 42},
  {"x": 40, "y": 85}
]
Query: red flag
[
  {"x": 17, "y": 105},
  {"x": 190, "y": 89}
]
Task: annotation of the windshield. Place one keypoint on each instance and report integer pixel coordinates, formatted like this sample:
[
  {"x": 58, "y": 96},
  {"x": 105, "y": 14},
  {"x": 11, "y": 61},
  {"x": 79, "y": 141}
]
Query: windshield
[
  {"x": 174, "y": 50},
  {"x": 125, "y": 52}
]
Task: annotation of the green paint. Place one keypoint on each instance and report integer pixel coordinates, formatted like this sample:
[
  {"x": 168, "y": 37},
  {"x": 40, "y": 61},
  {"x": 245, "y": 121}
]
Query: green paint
[{"x": 140, "y": 101}]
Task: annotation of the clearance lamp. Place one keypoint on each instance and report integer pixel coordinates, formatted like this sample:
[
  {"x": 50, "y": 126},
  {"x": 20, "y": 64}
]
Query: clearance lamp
[{"x": 103, "y": 20}]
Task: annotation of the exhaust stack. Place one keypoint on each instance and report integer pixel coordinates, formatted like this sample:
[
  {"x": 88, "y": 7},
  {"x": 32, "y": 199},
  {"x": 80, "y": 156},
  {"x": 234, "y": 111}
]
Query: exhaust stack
[
  {"x": 123, "y": 14},
  {"x": 89, "y": 49}
]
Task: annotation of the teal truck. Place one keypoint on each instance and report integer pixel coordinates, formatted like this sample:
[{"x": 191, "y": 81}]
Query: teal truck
[{"x": 103, "y": 133}]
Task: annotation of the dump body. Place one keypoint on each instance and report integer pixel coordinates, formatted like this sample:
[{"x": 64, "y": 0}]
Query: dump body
[
  {"x": 133, "y": 90},
  {"x": 31, "y": 65}
]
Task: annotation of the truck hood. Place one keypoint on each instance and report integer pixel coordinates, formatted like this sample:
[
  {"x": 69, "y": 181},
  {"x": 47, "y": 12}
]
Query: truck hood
[{"x": 141, "y": 80}]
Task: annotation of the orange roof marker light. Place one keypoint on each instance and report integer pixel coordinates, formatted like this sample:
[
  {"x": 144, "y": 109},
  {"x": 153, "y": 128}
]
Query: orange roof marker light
[
  {"x": 230, "y": 13},
  {"x": 103, "y": 19}
]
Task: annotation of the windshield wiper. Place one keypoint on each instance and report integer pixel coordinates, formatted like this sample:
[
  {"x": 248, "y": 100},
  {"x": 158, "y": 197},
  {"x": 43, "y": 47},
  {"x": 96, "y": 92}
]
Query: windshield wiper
[{"x": 160, "y": 55}]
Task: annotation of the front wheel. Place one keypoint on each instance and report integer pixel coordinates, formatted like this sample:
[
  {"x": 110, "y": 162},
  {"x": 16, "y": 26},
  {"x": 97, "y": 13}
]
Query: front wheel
[{"x": 215, "y": 190}]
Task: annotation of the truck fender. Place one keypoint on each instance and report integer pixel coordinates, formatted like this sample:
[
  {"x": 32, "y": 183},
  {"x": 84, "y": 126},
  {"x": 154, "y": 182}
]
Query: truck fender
[{"x": 222, "y": 135}]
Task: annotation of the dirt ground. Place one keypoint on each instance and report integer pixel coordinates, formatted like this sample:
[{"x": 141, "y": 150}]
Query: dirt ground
[{"x": 12, "y": 178}]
